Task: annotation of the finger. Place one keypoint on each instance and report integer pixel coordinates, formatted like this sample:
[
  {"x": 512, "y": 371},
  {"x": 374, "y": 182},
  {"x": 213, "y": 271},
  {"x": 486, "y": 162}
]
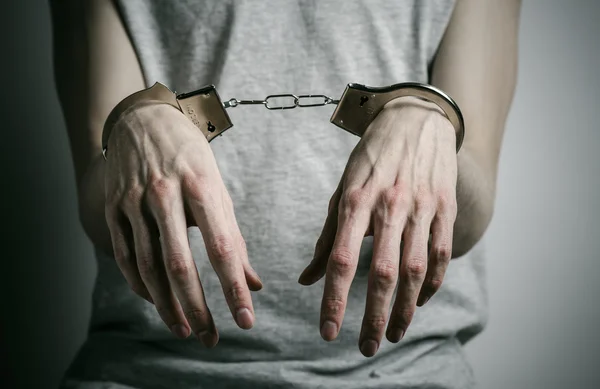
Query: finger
[
  {"x": 354, "y": 215},
  {"x": 317, "y": 267},
  {"x": 412, "y": 272},
  {"x": 120, "y": 234},
  {"x": 440, "y": 253},
  {"x": 206, "y": 203},
  {"x": 151, "y": 269},
  {"x": 389, "y": 219},
  {"x": 167, "y": 207},
  {"x": 252, "y": 278}
]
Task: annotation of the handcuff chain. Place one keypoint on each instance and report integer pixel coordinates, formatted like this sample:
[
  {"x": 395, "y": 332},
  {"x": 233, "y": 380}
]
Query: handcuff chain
[{"x": 284, "y": 101}]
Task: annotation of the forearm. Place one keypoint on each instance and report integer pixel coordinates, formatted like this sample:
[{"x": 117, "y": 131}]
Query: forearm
[
  {"x": 476, "y": 64},
  {"x": 95, "y": 67},
  {"x": 475, "y": 203}
]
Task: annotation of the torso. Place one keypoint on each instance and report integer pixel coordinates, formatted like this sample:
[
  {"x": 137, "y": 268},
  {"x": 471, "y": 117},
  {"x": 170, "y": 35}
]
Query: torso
[{"x": 281, "y": 168}]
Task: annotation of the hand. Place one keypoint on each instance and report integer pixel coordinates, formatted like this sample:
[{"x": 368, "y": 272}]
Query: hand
[
  {"x": 399, "y": 184},
  {"x": 161, "y": 177}
]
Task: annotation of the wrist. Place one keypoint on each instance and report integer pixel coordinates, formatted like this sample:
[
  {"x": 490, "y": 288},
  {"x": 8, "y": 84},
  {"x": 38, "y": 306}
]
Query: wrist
[
  {"x": 202, "y": 107},
  {"x": 360, "y": 104},
  {"x": 132, "y": 118},
  {"x": 414, "y": 102}
]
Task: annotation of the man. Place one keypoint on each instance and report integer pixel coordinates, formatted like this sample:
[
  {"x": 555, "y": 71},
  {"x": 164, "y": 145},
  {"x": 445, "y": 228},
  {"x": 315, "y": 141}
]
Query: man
[{"x": 256, "y": 193}]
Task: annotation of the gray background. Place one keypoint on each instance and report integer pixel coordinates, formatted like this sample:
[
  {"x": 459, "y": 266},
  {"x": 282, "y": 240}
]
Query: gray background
[{"x": 543, "y": 242}]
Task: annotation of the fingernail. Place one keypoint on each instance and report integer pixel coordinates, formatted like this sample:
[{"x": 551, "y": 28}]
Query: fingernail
[
  {"x": 308, "y": 280},
  {"x": 206, "y": 338},
  {"x": 302, "y": 279},
  {"x": 329, "y": 330},
  {"x": 180, "y": 331},
  {"x": 396, "y": 335},
  {"x": 304, "y": 272},
  {"x": 255, "y": 273},
  {"x": 255, "y": 288},
  {"x": 301, "y": 276},
  {"x": 424, "y": 301},
  {"x": 243, "y": 318},
  {"x": 369, "y": 348}
]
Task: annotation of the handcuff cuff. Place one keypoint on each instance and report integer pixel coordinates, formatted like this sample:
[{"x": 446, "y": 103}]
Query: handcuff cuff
[{"x": 355, "y": 110}]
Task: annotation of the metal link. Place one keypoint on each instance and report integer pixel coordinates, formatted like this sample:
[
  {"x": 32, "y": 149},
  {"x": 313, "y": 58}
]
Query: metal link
[
  {"x": 324, "y": 100},
  {"x": 284, "y": 101},
  {"x": 281, "y": 105},
  {"x": 251, "y": 102},
  {"x": 231, "y": 103}
]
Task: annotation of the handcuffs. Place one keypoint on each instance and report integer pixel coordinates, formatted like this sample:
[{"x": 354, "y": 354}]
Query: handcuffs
[{"x": 355, "y": 110}]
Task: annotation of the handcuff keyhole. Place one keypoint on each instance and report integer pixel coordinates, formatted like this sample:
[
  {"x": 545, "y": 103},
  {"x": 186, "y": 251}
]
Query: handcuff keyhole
[
  {"x": 363, "y": 100},
  {"x": 211, "y": 127}
]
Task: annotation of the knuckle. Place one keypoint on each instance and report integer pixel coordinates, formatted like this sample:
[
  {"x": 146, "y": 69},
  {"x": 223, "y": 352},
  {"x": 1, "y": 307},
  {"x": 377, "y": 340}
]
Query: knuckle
[
  {"x": 160, "y": 188},
  {"x": 235, "y": 293},
  {"x": 146, "y": 265},
  {"x": 196, "y": 187},
  {"x": 447, "y": 203},
  {"x": 403, "y": 317},
  {"x": 442, "y": 253},
  {"x": 392, "y": 207},
  {"x": 197, "y": 317},
  {"x": 355, "y": 199},
  {"x": 415, "y": 268},
  {"x": 393, "y": 198},
  {"x": 333, "y": 305},
  {"x": 178, "y": 266},
  {"x": 342, "y": 260},
  {"x": 423, "y": 204},
  {"x": 385, "y": 273},
  {"x": 435, "y": 284},
  {"x": 375, "y": 323},
  {"x": 222, "y": 248},
  {"x": 121, "y": 254},
  {"x": 133, "y": 196}
]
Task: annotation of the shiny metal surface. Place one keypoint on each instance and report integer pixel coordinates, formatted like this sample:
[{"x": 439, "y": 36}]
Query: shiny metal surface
[
  {"x": 284, "y": 101},
  {"x": 355, "y": 110},
  {"x": 360, "y": 104},
  {"x": 203, "y": 107}
]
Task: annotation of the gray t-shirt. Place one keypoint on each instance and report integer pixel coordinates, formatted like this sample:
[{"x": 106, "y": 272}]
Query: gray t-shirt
[{"x": 281, "y": 168}]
